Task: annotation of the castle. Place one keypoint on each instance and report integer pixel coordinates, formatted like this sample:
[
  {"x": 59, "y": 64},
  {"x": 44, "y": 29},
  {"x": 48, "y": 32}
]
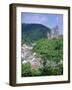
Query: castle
[{"x": 54, "y": 33}]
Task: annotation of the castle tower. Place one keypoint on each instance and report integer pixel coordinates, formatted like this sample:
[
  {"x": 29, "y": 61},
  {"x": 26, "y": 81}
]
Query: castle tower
[
  {"x": 48, "y": 35},
  {"x": 55, "y": 32}
]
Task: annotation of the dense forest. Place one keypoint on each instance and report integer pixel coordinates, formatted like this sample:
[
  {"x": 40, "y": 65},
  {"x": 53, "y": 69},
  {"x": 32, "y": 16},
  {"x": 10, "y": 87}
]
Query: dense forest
[
  {"x": 33, "y": 32},
  {"x": 49, "y": 51}
]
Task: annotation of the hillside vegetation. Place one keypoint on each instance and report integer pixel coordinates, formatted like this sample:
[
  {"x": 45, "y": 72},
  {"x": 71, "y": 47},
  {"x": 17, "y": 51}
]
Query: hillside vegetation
[
  {"x": 33, "y": 32},
  {"x": 49, "y": 52}
]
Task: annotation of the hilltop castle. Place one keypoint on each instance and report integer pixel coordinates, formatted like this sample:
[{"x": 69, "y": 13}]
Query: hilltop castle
[{"x": 54, "y": 33}]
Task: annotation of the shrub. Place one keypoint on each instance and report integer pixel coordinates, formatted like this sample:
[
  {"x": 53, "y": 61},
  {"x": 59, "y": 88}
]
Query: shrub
[{"x": 26, "y": 70}]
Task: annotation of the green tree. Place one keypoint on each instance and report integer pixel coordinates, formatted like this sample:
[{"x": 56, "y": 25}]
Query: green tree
[
  {"x": 36, "y": 72},
  {"x": 51, "y": 49},
  {"x": 26, "y": 70}
]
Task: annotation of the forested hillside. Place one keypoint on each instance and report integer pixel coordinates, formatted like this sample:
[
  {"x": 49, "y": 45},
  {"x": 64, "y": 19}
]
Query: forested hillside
[
  {"x": 41, "y": 55},
  {"x": 33, "y": 32}
]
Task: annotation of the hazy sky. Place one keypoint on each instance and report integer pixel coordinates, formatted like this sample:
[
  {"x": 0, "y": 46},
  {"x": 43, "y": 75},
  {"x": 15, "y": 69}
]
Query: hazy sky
[{"x": 49, "y": 20}]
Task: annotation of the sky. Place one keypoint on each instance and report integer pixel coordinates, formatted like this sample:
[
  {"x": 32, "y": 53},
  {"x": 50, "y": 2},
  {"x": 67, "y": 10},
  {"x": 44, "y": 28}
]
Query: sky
[{"x": 49, "y": 20}]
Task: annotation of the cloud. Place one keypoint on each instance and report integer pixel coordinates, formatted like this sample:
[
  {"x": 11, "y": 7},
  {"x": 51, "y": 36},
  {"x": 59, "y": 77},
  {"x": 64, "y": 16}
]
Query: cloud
[{"x": 34, "y": 18}]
